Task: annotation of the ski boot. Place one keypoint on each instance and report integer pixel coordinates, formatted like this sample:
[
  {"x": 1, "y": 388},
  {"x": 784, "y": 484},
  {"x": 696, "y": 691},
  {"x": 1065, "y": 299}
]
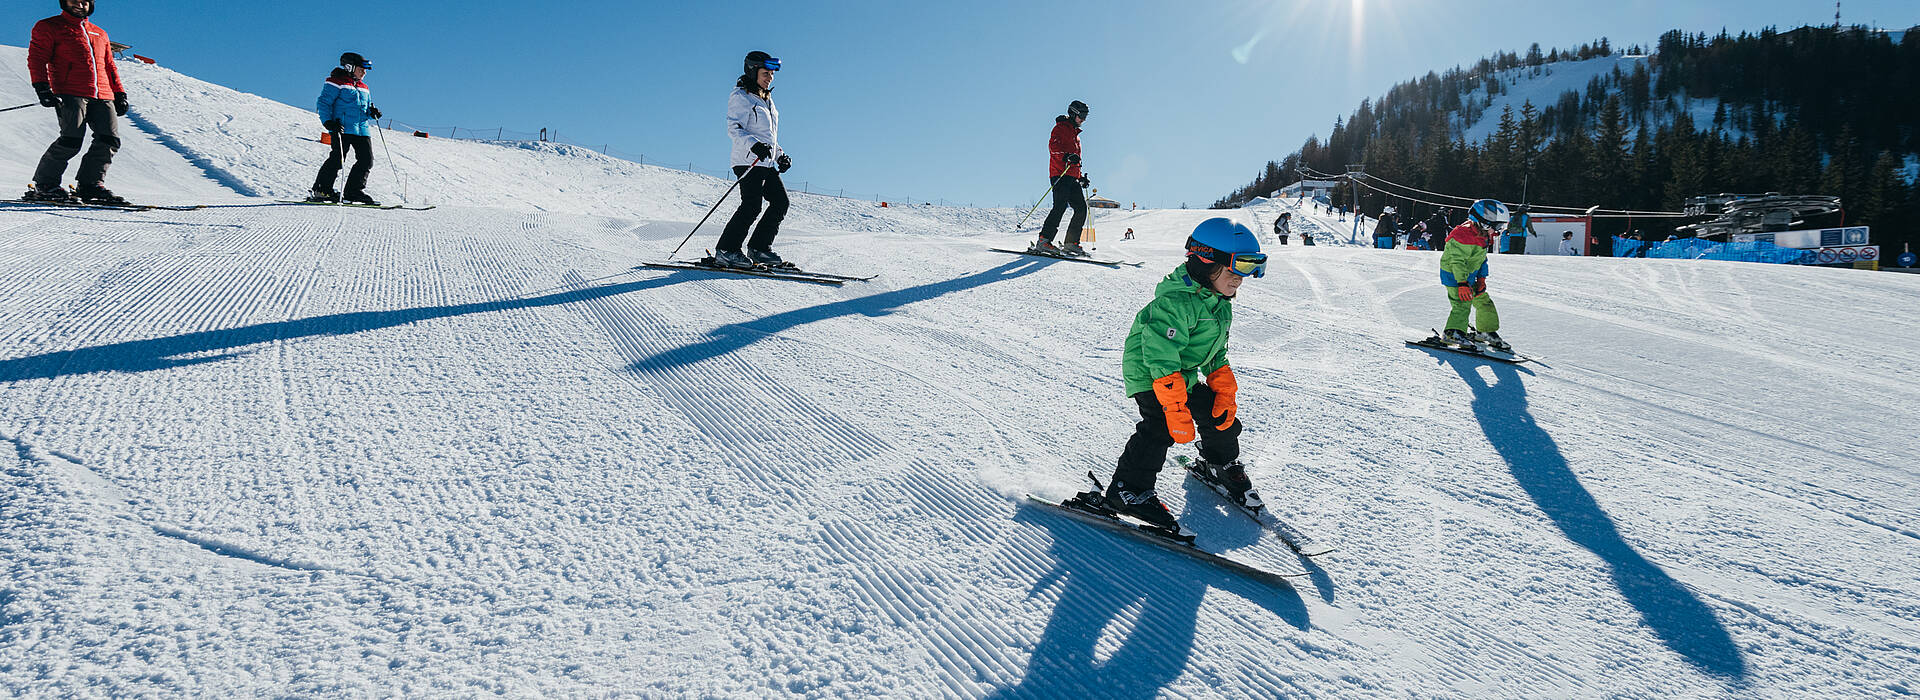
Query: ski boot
[
  {"x": 1231, "y": 476},
  {"x": 1493, "y": 342},
  {"x": 766, "y": 256},
  {"x": 1044, "y": 247},
  {"x": 326, "y": 196},
  {"x": 1460, "y": 339},
  {"x": 97, "y": 194},
  {"x": 732, "y": 259},
  {"x": 1145, "y": 506},
  {"x": 1073, "y": 250},
  {"x": 55, "y": 193},
  {"x": 360, "y": 198}
]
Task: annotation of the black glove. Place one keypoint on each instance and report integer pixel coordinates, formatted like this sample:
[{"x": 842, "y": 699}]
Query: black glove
[
  {"x": 120, "y": 104},
  {"x": 45, "y": 92},
  {"x": 1071, "y": 158},
  {"x": 373, "y": 112},
  {"x": 785, "y": 163},
  {"x": 1083, "y": 182},
  {"x": 762, "y": 151},
  {"x": 332, "y": 125}
]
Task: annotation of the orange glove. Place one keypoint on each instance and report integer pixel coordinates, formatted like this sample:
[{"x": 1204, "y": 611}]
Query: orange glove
[
  {"x": 1172, "y": 392},
  {"x": 1224, "y": 386},
  {"x": 1464, "y": 292}
]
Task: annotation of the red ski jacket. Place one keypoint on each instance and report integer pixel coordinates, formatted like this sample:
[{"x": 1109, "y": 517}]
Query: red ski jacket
[
  {"x": 1066, "y": 139},
  {"x": 73, "y": 55}
]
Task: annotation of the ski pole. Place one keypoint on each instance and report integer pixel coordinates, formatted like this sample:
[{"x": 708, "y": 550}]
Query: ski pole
[
  {"x": 24, "y": 106},
  {"x": 716, "y": 207},
  {"x": 1036, "y": 203},
  {"x": 390, "y": 166}
]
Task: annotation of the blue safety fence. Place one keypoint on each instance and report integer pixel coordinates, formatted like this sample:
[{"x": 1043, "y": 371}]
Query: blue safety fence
[{"x": 1697, "y": 249}]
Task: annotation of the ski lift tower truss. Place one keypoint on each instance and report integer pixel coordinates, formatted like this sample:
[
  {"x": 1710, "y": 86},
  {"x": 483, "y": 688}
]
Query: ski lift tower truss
[{"x": 1355, "y": 173}]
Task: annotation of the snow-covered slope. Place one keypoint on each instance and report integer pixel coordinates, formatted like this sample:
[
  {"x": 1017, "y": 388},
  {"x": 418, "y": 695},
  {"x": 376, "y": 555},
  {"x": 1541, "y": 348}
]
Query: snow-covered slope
[
  {"x": 1544, "y": 87},
  {"x": 314, "y": 452}
]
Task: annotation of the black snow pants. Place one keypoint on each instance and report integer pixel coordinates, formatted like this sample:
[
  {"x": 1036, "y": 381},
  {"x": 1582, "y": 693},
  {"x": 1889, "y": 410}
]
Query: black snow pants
[
  {"x": 77, "y": 115},
  {"x": 1146, "y": 451},
  {"x": 762, "y": 184},
  {"x": 362, "y": 147},
  {"x": 1066, "y": 193}
]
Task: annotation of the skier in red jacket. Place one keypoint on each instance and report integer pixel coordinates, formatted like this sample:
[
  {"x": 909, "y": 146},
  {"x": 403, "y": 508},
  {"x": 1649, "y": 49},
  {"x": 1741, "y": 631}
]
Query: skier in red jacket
[
  {"x": 71, "y": 64},
  {"x": 1069, "y": 184}
]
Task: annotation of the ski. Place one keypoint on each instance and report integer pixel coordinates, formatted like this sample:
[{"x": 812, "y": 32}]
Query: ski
[
  {"x": 1437, "y": 344},
  {"x": 91, "y": 205},
  {"x": 1068, "y": 258},
  {"x": 1296, "y": 540},
  {"x": 1115, "y": 524},
  {"x": 383, "y": 207},
  {"x": 795, "y": 274}
]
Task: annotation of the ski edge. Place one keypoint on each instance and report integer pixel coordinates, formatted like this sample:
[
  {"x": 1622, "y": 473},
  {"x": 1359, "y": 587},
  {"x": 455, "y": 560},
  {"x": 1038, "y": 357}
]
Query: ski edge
[
  {"x": 1090, "y": 261},
  {"x": 1115, "y": 525},
  {"x": 113, "y": 207},
  {"x": 1300, "y": 542},
  {"x": 796, "y": 277},
  {"x": 382, "y": 207}
]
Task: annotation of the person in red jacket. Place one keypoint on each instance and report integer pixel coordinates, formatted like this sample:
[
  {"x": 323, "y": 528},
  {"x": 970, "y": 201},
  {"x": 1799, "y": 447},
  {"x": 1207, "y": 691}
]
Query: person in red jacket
[
  {"x": 71, "y": 65},
  {"x": 1063, "y": 168}
]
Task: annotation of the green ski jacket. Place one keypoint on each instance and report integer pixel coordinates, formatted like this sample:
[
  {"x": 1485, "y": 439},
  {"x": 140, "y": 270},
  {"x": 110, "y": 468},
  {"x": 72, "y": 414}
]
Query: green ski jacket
[{"x": 1184, "y": 329}]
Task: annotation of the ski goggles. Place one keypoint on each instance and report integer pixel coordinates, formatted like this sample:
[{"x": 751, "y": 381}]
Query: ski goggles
[
  {"x": 1249, "y": 265},
  {"x": 772, "y": 64}
]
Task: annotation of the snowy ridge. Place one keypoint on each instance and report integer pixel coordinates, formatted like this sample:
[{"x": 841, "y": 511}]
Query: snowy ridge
[
  {"x": 1520, "y": 86},
  {"x": 300, "y": 451}
]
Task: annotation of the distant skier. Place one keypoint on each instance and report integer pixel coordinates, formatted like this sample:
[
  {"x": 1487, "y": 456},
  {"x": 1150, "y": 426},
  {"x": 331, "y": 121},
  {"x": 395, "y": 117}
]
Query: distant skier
[
  {"x": 1463, "y": 269},
  {"x": 1283, "y": 226},
  {"x": 754, "y": 125},
  {"x": 1417, "y": 236},
  {"x": 1069, "y": 184},
  {"x": 1519, "y": 231},
  {"x": 346, "y": 107},
  {"x": 1567, "y": 246},
  {"x": 1178, "y": 338},
  {"x": 1128, "y": 236},
  {"x": 1384, "y": 234},
  {"x": 71, "y": 66}
]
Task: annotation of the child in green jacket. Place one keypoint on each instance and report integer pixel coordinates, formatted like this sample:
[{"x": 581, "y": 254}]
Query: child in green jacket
[
  {"x": 1179, "y": 337},
  {"x": 1463, "y": 269}
]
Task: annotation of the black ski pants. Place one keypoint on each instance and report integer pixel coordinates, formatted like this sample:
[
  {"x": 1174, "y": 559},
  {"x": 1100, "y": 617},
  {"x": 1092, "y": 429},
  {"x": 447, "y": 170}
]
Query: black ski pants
[
  {"x": 1517, "y": 245},
  {"x": 1146, "y": 451},
  {"x": 77, "y": 115},
  {"x": 362, "y": 147},
  {"x": 761, "y": 184},
  {"x": 1066, "y": 193}
]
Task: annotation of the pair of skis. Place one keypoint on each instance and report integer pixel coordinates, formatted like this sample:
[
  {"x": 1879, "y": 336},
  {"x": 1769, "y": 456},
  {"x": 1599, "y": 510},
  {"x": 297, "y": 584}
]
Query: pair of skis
[
  {"x": 1097, "y": 514},
  {"x": 784, "y": 272},
  {"x": 1436, "y": 342},
  {"x": 1068, "y": 258},
  {"x": 385, "y": 207},
  {"x": 77, "y": 204}
]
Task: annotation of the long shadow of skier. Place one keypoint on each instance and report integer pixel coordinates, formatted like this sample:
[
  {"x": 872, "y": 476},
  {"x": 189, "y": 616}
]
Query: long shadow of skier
[
  {"x": 735, "y": 336},
  {"x": 190, "y": 349},
  {"x": 1675, "y": 615},
  {"x": 1095, "y": 589}
]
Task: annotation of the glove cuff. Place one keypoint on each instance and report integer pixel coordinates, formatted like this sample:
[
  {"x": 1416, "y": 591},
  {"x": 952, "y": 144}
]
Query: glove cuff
[
  {"x": 1171, "y": 390},
  {"x": 1222, "y": 381}
]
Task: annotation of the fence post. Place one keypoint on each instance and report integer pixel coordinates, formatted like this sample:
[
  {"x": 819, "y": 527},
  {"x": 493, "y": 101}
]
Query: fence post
[
  {"x": 499, "y": 132},
  {"x": 454, "y": 133}
]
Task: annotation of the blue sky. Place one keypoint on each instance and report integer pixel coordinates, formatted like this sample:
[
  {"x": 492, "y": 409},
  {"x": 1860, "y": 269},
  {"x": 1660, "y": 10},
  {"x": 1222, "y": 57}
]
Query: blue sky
[{"x": 924, "y": 100}]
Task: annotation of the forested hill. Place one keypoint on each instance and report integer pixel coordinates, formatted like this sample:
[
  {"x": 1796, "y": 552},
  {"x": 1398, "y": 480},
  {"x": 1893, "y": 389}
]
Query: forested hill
[{"x": 1815, "y": 110}]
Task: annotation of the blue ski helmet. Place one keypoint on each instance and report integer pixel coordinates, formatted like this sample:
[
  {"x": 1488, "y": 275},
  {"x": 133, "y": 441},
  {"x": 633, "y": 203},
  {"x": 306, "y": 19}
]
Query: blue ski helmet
[
  {"x": 1489, "y": 213},
  {"x": 1220, "y": 241}
]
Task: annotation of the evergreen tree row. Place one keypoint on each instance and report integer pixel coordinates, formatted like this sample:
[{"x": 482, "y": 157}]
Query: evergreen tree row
[{"x": 1816, "y": 110}]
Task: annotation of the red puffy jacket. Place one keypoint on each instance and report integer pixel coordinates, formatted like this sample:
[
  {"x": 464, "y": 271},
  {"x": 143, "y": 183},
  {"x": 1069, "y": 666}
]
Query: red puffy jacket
[
  {"x": 73, "y": 55},
  {"x": 1066, "y": 139}
]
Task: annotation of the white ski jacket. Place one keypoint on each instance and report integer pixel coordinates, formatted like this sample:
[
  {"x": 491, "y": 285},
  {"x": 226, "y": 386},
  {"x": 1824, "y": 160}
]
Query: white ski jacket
[{"x": 752, "y": 120}]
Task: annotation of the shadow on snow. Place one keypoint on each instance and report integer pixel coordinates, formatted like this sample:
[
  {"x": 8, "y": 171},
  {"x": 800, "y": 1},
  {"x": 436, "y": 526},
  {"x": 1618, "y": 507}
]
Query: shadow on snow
[
  {"x": 1101, "y": 578},
  {"x": 1676, "y": 616},
  {"x": 192, "y": 348}
]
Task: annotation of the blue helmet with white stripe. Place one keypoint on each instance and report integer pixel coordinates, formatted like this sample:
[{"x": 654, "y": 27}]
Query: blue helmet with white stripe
[{"x": 1489, "y": 214}]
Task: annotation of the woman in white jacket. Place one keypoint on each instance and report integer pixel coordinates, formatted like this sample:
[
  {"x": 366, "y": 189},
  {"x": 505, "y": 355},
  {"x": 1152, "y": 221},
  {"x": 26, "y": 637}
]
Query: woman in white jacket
[{"x": 754, "y": 126}]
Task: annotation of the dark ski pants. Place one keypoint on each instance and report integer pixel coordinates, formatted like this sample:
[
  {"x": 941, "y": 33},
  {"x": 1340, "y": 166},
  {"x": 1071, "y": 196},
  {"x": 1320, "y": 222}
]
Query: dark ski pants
[
  {"x": 1066, "y": 193},
  {"x": 362, "y": 147},
  {"x": 1516, "y": 245},
  {"x": 77, "y": 115},
  {"x": 761, "y": 184},
  {"x": 1282, "y": 237},
  {"x": 1147, "y": 450}
]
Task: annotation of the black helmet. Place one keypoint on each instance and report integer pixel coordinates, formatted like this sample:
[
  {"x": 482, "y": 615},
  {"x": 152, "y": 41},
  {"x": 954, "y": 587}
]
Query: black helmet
[
  {"x": 354, "y": 60},
  {"x": 1077, "y": 109},
  {"x": 757, "y": 60}
]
